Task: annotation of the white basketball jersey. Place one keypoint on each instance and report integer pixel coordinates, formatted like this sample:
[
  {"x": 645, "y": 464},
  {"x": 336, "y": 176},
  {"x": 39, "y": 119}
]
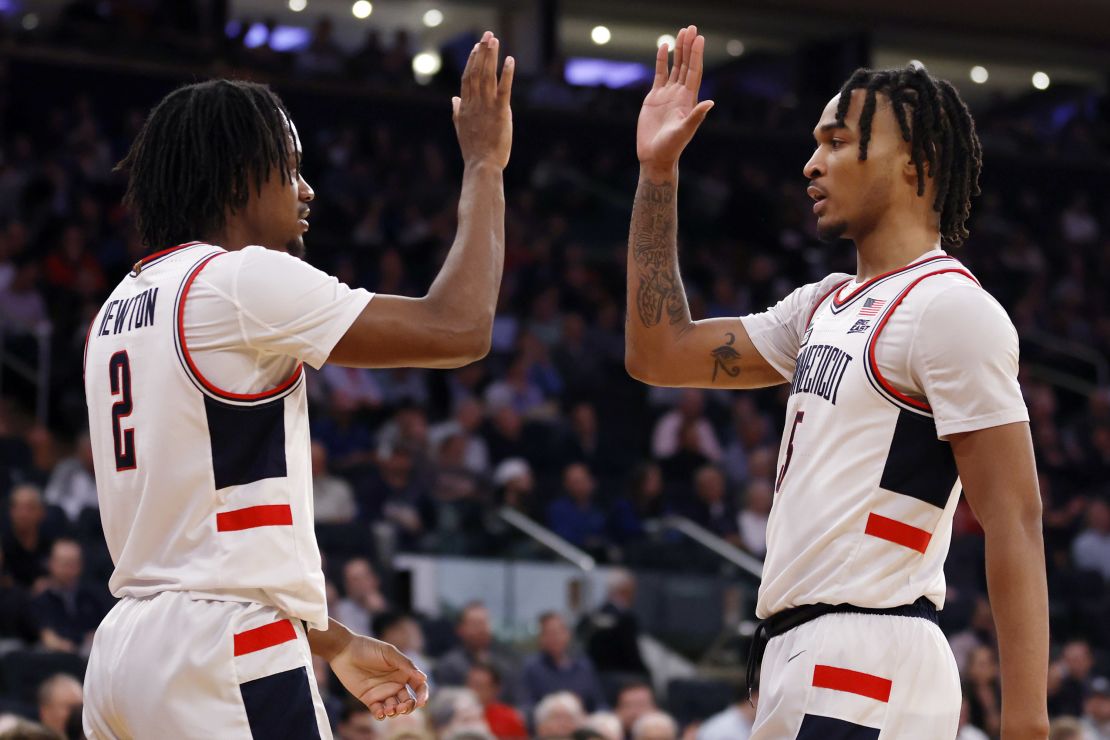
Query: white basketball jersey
[
  {"x": 865, "y": 489},
  {"x": 201, "y": 489}
]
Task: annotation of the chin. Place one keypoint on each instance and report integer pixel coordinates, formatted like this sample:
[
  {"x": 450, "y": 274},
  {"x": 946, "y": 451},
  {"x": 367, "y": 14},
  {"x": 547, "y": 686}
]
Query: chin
[
  {"x": 831, "y": 232},
  {"x": 295, "y": 247}
]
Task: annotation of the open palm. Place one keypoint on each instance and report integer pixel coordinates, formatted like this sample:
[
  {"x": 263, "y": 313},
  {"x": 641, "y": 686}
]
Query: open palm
[{"x": 671, "y": 112}]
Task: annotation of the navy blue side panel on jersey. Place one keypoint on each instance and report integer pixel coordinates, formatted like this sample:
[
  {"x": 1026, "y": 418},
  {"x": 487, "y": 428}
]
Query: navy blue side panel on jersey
[
  {"x": 816, "y": 727},
  {"x": 248, "y": 442},
  {"x": 280, "y": 706},
  {"x": 919, "y": 464}
]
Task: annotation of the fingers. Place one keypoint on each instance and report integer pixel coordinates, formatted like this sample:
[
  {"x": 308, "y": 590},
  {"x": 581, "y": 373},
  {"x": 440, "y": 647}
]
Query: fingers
[
  {"x": 455, "y": 103},
  {"x": 490, "y": 47},
  {"x": 418, "y": 686},
  {"x": 697, "y": 115},
  {"x": 696, "y": 65},
  {"x": 660, "y": 67},
  {"x": 469, "y": 73},
  {"x": 505, "y": 86},
  {"x": 676, "y": 63},
  {"x": 687, "y": 44}
]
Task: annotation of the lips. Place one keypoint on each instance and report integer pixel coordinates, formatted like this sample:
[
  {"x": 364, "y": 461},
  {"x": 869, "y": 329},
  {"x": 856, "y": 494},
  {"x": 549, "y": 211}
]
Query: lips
[
  {"x": 819, "y": 196},
  {"x": 303, "y": 221}
]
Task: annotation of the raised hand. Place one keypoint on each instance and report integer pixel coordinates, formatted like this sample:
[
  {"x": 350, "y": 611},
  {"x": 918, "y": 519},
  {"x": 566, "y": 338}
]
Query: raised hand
[
  {"x": 671, "y": 112},
  {"x": 483, "y": 118},
  {"x": 380, "y": 676}
]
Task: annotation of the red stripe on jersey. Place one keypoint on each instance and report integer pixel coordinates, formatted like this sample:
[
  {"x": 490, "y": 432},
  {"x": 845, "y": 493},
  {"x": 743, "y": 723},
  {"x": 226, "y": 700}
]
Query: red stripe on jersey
[
  {"x": 151, "y": 257},
  {"x": 879, "y": 330},
  {"x": 838, "y": 302},
  {"x": 273, "y": 515},
  {"x": 897, "y": 532},
  {"x": 211, "y": 388},
  {"x": 263, "y": 637},
  {"x": 821, "y": 300},
  {"x": 853, "y": 682}
]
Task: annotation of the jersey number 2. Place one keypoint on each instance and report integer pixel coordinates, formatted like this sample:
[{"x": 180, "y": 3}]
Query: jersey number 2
[
  {"x": 119, "y": 370},
  {"x": 789, "y": 449}
]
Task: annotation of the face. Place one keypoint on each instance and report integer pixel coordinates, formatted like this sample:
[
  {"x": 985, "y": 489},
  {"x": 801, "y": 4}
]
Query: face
[
  {"x": 63, "y": 699},
  {"x": 359, "y": 579},
  {"x": 554, "y": 636},
  {"x": 474, "y": 629},
  {"x": 634, "y": 703},
  {"x": 27, "y": 511},
  {"x": 852, "y": 195},
  {"x": 359, "y": 726},
  {"x": 481, "y": 682},
  {"x": 578, "y": 482},
  {"x": 277, "y": 215},
  {"x": 65, "y": 564}
]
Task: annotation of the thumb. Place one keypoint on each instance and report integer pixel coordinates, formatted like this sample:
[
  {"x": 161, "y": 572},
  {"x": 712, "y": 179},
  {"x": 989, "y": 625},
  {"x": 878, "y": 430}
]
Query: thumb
[
  {"x": 455, "y": 103},
  {"x": 696, "y": 116}
]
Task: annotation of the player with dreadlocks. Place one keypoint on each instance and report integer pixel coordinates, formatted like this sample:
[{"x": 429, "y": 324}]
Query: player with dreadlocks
[
  {"x": 198, "y": 415},
  {"x": 902, "y": 390}
]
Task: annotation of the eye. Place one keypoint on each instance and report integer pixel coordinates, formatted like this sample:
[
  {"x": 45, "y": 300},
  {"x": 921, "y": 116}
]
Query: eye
[{"x": 837, "y": 143}]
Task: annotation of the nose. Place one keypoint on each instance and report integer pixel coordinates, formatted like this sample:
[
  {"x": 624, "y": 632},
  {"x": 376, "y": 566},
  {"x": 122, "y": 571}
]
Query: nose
[
  {"x": 305, "y": 191},
  {"x": 814, "y": 168}
]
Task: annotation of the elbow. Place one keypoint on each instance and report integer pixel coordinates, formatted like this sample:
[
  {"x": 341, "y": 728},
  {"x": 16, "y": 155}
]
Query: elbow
[{"x": 637, "y": 369}]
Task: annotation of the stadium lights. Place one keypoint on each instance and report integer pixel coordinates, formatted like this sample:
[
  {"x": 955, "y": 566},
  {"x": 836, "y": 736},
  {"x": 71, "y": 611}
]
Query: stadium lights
[
  {"x": 979, "y": 75},
  {"x": 1041, "y": 81},
  {"x": 425, "y": 65},
  {"x": 665, "y": 39},
  {"x": 362, "y": 9},
  {"x": 433, "y": 18},
  {"x": 735, "y": 47},
  {"x": 298, "y": 5},
  {"x": 600, "y": 35}
]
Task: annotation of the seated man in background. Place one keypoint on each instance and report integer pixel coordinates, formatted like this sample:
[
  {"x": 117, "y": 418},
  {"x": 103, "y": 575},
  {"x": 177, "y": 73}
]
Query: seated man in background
[
  {"x": 67, "y": 610},
  {"x": 554, "y": 668}
]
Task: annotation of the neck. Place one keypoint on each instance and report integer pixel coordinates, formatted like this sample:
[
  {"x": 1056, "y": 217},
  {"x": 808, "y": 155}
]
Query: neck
[
  {"x": 234, "y": 236},
  {"x": 893, "y": 244}
]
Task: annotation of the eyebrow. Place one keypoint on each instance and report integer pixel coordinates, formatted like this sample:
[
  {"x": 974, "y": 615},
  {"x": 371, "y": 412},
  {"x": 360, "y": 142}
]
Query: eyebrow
[{"x": 826, "y": 127}]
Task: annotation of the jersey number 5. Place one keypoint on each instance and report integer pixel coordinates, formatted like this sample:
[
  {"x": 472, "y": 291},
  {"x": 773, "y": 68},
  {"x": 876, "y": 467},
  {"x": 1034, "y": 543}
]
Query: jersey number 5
[
  {"x": 119, "y": 370},
  {"x": 789, "y": 449}
]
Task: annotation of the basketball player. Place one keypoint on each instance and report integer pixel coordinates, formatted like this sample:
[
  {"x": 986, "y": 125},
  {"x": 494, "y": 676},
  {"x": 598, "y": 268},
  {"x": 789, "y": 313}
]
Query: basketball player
[
  {"x": 198, "y": 419},
  {"x": 902, "y": 387}
]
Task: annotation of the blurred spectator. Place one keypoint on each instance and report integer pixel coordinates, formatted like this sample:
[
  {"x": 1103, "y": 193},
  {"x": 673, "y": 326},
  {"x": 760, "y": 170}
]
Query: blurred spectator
[
  {"x": 21, "y": 304},
  {"x": 333, "y": 704},
  {"x": 363, "y": 596},
  {"x": 655, "y": 726},
  {"x": 17, "y": 728},
  {"x": 1067, "y": 728},
  {"x": 477, "y": 646},
  {"x": 966, "y": 730},
  {"x": 356, "y": 722},
  {"x": 1069, "y": 678},
  {"x": 643, "y": 502},
  {"x": 1096, "y": 708},
  {"x": 353, "y": 386},
  {"x": 457, "y": 710},
  {"x": 605, "y": 724},
  {"x": 72, "y": 486},
  {"x": 17, "y": 621},
  {"x": 558, "y": 715},
  {"x": 983, "y": 691},
  {"x": 26, "y": 540},
  {"x": 1091, "y": 549},
  {"x": 666, "y": 440},
  {"x": 555, "y": 669},
  {"x": 635, "y": 699},
  {"x": 612, "y": 633},
  {"x": 67, "y": 610},
  {"x": 59, "y": 696},
  {"x": 734, "y": 722},
  {"x": 979, "y": 632},
  {"x": 504, "y": 722},
  {"x": 575, "y": 516},
  {"x": 405, "y": 633},
  {"x": 466, "y": 421},
  {"x": 711, "y": 507},
  {"x": 399, "y": 494},
  {"x": 333, "y": 498},
  {"x": 516, "y": 391},
  {"x": 752, "y": 522},
  {"x": 323, "y": 57}
]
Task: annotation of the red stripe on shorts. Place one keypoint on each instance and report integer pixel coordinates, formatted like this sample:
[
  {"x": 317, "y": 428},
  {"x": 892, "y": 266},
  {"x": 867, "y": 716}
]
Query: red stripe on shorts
[
  {"x": 854, "y": 682},
  {"x": 263, "y": 637},
  {"x": 897, "y": 532},
  {"x": 254, "y": 516}
]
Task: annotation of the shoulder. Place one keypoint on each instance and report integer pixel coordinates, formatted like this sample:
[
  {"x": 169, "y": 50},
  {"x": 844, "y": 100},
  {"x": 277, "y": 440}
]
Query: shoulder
[{"x": 952, "y": 301}]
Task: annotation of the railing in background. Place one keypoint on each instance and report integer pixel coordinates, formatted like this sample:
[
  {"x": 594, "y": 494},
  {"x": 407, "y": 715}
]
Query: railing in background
[
  {"x": 38, "y": 376},
  {"x": 1077, "y": 353},
  {"x": 723, "y": 549}
]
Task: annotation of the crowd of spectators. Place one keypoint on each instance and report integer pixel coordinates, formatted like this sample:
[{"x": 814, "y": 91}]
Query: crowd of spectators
[{"x": 549, "y": 424}]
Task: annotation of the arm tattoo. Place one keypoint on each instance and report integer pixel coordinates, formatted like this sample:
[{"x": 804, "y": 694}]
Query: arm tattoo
[
  {"x": 724, "y": 356},
  {"x": 653, "y": 237}
]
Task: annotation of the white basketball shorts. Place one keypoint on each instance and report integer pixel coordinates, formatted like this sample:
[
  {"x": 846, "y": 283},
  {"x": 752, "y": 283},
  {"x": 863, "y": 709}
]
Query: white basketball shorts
[
  {"x": 859, "y": 677},
  {"x": 174, "y": 666}
]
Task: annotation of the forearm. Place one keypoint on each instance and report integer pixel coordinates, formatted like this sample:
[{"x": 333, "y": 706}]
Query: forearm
[
  {"x": 1019, "y": 600},
  {"x": 467, "y": 285},
  {"x": 657, "y": 307},
  {"x": 330, "y": 642}
]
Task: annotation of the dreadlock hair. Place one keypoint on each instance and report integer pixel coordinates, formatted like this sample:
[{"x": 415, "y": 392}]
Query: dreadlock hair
[
  {"x": 198, "y": 154},
  {"x": 941, "y": 134}
]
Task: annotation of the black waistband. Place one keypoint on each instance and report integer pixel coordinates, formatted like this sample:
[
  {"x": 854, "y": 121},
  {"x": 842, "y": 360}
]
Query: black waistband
[{"x": 788, "y": 619}]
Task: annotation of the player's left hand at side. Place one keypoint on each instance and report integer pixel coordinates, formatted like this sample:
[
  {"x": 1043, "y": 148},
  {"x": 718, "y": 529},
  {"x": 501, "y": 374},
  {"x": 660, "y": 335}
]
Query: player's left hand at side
[
  {"x": 380, "y": 676},
  {"x": 671, "y": 112}
]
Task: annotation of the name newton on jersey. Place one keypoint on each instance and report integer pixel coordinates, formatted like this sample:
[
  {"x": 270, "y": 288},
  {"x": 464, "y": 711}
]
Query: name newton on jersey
[
  {"x": 820, "y": 370},
  {"x": 132, "y": 313}
]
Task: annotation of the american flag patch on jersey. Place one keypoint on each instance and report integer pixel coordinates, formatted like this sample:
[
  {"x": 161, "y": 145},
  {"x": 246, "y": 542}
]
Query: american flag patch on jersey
[{"x": 871, "y": 307}]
